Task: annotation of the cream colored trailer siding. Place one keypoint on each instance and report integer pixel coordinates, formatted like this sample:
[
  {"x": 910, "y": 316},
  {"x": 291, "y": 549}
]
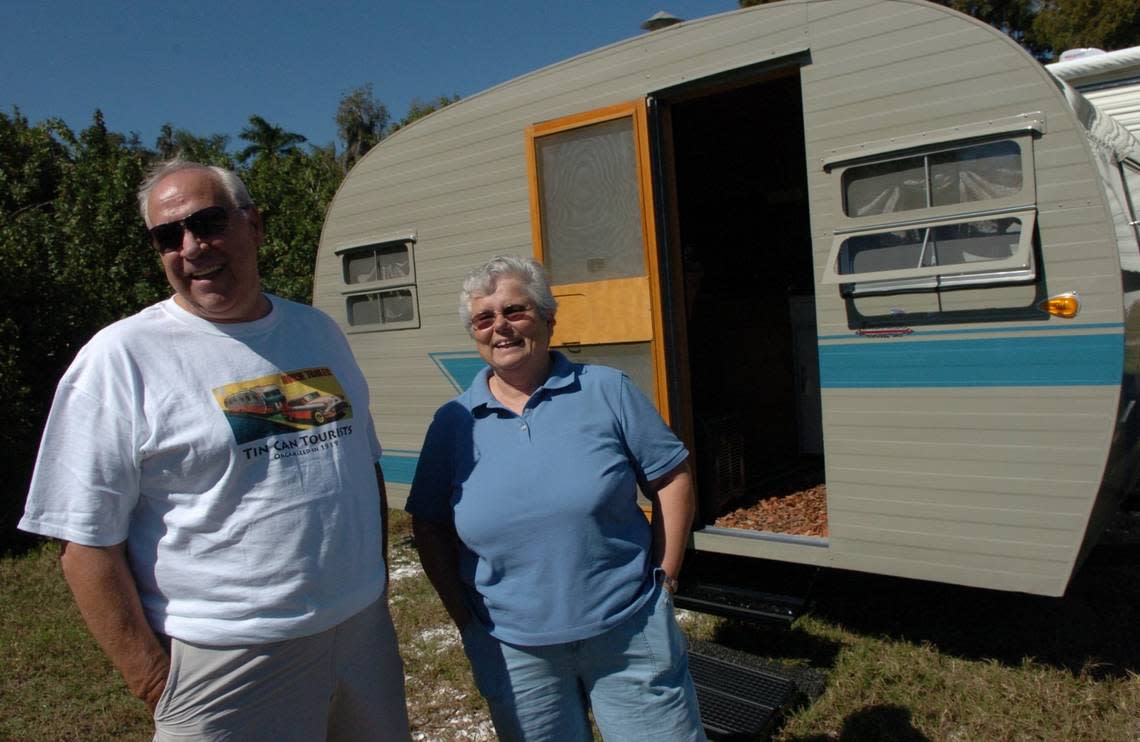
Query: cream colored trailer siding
[
  {"x": 990, "y": 487},
  {"x": 979, "y": 486}
]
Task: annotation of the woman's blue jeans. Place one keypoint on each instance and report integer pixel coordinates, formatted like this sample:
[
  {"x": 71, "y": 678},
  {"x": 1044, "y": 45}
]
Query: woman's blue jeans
[{"x": 635, "y": 678}]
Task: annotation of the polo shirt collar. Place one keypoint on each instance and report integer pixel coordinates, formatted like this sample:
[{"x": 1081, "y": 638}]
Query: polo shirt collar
[{"x": 563, "y": 373}]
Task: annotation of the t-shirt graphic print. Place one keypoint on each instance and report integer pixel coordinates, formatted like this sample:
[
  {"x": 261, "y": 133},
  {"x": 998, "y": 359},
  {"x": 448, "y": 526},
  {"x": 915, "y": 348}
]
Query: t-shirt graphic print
[{"x": 282, "y": 403}]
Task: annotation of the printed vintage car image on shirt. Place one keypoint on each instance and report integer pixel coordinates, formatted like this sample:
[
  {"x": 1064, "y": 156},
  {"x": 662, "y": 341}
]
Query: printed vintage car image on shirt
[{"x": 282, "y": 403}]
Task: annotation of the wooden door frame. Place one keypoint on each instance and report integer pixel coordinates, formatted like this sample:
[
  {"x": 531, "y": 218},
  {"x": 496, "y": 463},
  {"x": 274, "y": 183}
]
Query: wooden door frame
[{"x": 636, "y": 110}]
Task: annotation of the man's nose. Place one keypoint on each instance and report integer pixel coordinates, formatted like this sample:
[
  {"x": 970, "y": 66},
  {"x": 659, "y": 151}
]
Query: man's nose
[{"x": 192, "y": 246}]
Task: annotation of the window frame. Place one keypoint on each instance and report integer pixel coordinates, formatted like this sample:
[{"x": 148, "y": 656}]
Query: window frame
[
  {"x": 411, "y": 324},
  {"x": 1018, "y": 268},
  {"x": 379, "y": 287}
]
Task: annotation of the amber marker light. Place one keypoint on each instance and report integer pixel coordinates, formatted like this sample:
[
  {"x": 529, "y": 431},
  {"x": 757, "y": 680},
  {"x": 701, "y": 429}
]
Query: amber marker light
[{"x": 1064, "y": 305}]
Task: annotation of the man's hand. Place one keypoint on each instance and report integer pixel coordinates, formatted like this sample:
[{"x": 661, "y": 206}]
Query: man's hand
[{"x": 105, "y": 590}]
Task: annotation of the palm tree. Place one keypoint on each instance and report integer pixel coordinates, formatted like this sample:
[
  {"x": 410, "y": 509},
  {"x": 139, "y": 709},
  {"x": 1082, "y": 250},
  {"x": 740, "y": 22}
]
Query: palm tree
[
  {"x": 267, "y": 140},
  {"x": 361, "y": 122}
]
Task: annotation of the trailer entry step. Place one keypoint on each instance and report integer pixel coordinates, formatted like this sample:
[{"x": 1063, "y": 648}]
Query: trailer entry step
[
  {"x": 737, "y": 602},
  {"x": 738, "y": 703}
]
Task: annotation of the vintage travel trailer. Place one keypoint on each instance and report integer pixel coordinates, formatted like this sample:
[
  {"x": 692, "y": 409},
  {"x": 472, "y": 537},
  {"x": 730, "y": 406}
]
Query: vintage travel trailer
[{"x": 867, "y": 256}]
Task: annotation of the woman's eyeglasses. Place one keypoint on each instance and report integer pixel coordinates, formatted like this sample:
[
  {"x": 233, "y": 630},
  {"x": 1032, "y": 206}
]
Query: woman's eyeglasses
[
  {"x": 511, "y": 313},
  {"x": 204, "y": 224}
]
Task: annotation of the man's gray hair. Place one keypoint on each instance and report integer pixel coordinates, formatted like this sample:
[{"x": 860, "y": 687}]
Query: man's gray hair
[
  {"x": 527, "y": 271},
  {"x": 231, "y": 183}
]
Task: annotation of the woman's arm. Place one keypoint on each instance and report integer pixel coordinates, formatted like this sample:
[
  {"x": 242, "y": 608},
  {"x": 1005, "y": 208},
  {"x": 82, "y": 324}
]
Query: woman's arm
[
  {"x": 438, "y": 546},
  {"x": 673, "y": 509}
]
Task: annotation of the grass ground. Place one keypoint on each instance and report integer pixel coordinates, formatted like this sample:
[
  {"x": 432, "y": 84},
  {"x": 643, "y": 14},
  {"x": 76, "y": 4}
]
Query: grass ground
[{"x": 901, "y": 660}]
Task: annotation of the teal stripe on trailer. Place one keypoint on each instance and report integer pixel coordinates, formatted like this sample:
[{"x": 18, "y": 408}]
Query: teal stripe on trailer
[
  {"x": 1041, "y": 327},
  {"x": 460, "y": 367},
  {"x": 1065, "y": 360},
  {"x": 399, "y": 466}
]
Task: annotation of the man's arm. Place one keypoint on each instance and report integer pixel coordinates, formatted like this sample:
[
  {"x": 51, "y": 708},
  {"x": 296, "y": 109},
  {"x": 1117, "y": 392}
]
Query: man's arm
[
  {"x": 105, "y": 590},
  {"x": 383, "y": 522},
  {"x": 673, "y": 508}
]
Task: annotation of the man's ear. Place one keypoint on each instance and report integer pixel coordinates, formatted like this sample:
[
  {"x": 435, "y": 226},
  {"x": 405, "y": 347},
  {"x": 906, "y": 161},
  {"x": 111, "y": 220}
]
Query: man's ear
[{"x": 256, "y": 223}]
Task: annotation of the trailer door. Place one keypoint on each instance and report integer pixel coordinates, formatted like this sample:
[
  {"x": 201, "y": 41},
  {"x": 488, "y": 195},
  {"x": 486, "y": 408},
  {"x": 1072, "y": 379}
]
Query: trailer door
[{"x": 594, "y": 230}]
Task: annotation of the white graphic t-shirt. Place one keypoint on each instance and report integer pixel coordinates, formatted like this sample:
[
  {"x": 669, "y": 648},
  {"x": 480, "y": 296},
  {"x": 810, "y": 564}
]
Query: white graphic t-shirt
[{"x": 236, "y": 460}]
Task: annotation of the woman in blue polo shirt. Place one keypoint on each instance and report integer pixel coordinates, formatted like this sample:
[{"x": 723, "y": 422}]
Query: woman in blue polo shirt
[{"x": 525, "y": 515}]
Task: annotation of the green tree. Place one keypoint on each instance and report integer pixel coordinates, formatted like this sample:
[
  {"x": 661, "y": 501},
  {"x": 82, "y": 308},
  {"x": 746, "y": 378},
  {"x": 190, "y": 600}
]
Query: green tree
[
  {"x": 267, "y": 140},
  {"x": 292, "y": 193},
  {"x": 31, "y": 168},
  {"x": 97, "y": 214},
  {"x": 1014, "y": 18},
  {"x": 208, "y": 150},
  {"x": 75, "y": 259},
  {"x": 1071, "y": 24},
  {"x": 419, "y": 108},
  {"x": 361, "y": 121}
]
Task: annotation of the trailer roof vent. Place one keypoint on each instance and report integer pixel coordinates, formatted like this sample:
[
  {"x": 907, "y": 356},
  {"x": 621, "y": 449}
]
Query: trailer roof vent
[
  {"x": 660, "y": 19},
  {"x": 1080, "y": 53}
]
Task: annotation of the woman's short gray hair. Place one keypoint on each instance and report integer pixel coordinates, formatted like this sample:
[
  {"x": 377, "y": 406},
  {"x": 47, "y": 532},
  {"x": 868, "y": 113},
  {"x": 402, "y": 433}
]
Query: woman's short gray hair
[
  {"x": 231, "y": 183},
  {"x": 527, "y": 271}
]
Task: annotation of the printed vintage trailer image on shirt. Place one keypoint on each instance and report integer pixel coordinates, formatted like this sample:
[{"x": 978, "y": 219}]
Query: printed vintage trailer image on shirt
[{"x": 280, "y": 403}]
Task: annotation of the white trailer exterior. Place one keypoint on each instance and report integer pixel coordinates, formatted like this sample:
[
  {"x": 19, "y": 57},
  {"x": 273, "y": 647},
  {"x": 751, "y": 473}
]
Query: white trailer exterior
[
  {"x": 813, "y": 231},
  {"x": 1110, "y": 80}
]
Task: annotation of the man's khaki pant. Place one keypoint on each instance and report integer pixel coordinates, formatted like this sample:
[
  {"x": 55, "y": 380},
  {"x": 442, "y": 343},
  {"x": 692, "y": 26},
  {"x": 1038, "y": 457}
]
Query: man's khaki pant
[{"x": 346, "y": 683}]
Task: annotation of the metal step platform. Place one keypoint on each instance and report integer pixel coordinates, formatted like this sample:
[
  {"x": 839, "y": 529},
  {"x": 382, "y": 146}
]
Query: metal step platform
[
  {"x": 756, "y": 590},
  {"x": 738, "y": 702},
  {"x": 738, "y": 602}
]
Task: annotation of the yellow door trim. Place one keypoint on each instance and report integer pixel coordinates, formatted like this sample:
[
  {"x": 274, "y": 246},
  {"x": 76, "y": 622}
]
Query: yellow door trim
[{"x": 616, "y": 310}]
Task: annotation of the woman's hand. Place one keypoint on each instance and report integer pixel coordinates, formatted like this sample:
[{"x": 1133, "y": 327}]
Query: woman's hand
[{"x": 673, "y": 507}]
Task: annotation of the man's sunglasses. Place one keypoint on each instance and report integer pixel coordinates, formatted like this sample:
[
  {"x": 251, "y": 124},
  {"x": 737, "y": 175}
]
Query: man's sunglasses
[
  {"x": 204, "y": 224},
  {"x": 511, "y": 313}
]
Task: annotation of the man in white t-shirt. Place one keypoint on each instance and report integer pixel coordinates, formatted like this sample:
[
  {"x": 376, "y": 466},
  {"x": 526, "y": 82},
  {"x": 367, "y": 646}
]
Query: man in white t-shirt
[{"x": 211, "y": 465}]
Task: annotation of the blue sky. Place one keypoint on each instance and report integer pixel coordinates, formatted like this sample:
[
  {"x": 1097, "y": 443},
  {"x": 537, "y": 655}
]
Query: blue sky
[{"x": 207, "y": 66}]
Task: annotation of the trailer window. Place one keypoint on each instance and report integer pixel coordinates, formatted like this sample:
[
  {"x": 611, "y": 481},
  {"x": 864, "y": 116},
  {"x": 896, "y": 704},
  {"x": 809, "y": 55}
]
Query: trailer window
[
  {"x": 983, "y": 172},
  {"x": 951, "y": 216},
  {"x": 389, "y": 262},
  {"x": 940, "y": 254},
  {"x": 379, "y": 285},
  {"x": 947, "y": 245},
  {"x": 397, "y": 307}
]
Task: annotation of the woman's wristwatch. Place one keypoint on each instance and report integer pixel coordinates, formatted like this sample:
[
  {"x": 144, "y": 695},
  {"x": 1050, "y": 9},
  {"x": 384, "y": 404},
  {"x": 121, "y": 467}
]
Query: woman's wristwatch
[{"x": 669, "y": 583}]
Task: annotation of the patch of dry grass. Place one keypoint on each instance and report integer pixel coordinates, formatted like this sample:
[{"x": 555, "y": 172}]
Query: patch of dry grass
[
  {"x": 442, "y": 701},
  {"x": 902, "y": 660},
  {"x": 56, "y": 683}
]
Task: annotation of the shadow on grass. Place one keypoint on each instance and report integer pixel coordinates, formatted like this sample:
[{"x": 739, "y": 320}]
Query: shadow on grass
[
  {"x": 1091, "y": 631},
  {"x": 873, "y": 724}
]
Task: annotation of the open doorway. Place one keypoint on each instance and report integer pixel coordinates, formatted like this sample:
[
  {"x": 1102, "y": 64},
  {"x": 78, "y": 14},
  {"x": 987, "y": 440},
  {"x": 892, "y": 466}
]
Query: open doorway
[{"x": 749, "y": 304}]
